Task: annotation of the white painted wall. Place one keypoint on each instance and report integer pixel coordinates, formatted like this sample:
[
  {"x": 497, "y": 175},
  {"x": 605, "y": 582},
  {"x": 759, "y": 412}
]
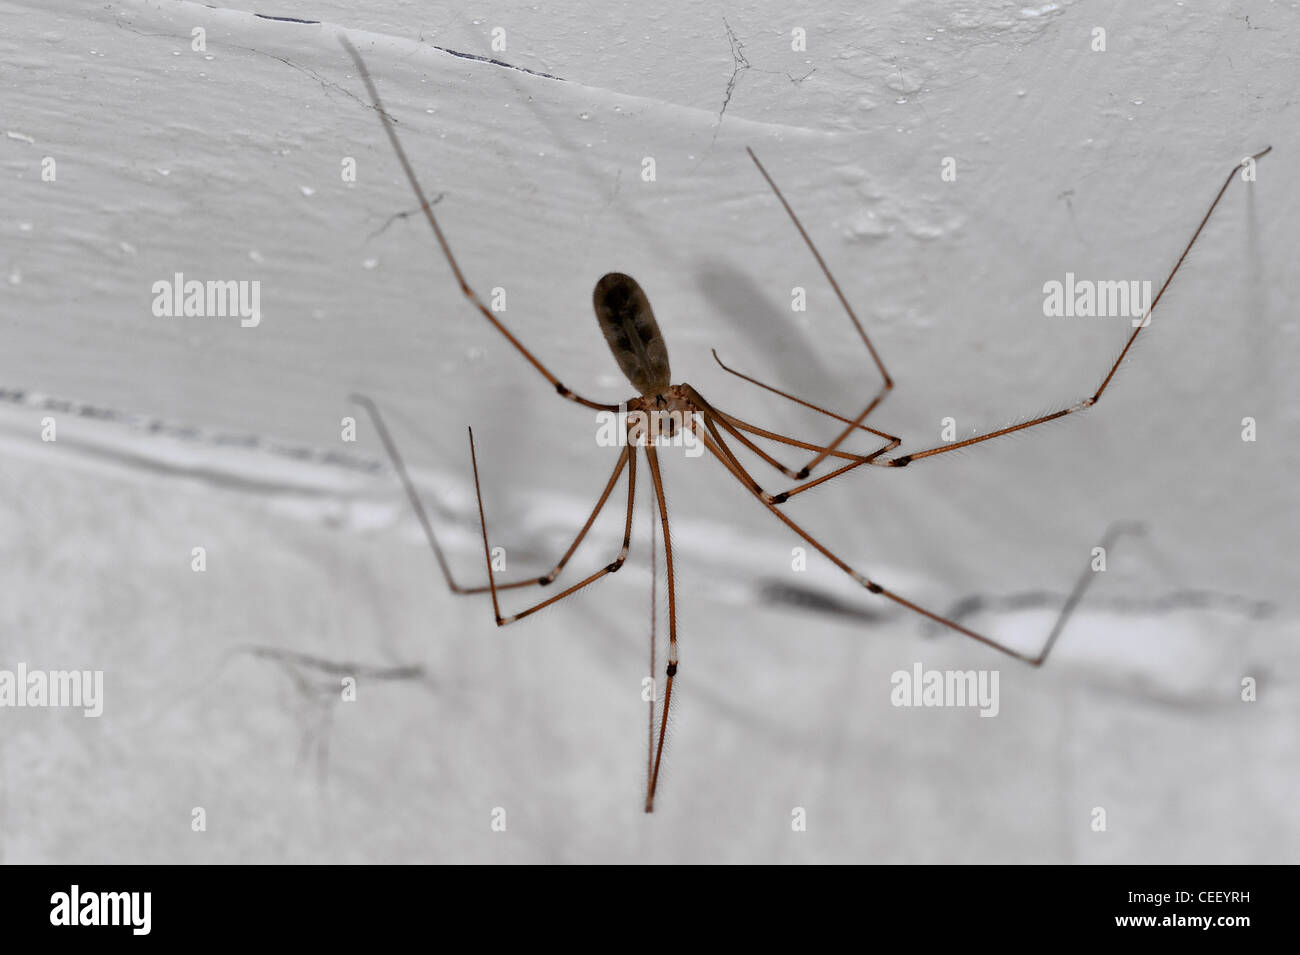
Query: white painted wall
[{"x": 226, "y": 165}]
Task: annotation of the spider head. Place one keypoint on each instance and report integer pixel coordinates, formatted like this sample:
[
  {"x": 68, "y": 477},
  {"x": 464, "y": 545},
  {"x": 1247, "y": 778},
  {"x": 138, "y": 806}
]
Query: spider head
[{"x": 625, "y": 316}]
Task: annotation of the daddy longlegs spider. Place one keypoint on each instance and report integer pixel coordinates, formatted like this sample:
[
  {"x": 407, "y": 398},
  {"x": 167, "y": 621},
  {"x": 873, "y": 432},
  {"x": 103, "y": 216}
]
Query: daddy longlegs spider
[{"x": 628, "y": 323}]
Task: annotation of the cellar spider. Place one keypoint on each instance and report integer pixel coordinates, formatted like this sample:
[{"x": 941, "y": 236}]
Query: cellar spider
[{"x": 625, "y": 317}]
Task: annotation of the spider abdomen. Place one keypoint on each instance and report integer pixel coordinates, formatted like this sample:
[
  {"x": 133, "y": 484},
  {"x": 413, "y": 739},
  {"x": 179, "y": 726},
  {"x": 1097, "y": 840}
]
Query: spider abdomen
[{"x": 628, "y": 322}]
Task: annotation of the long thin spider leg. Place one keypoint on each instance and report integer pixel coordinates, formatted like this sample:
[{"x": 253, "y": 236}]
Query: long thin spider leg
[
  {"x": 741, "y": 474},
  {"x": 797, "y": 400},
  {"x": 823, "y": 451},
  {"x": 654, "y": 594},
  {"x": 427, "y": 525},
  {"x": 906, "y": 459},
  {"x": 711, "y": 419},
  {"x": 396, "y": 458},
  {"x": 734, "y": 425},
  {"x": 653, "y": 457},
  {"x": 734, "y": 466},
  {"x": 427, "y": 209},
  {"x": 856, "y": 461},
  {"x": 817, "y": 482},
  {"x": 728, "y": 460},
  {"x": 735, "y": 432},
  {"x": 755, "y": 449},
  {"x": 888, "y": 382},
  {"x": 627, "y": 457},
  {"x": 795, "y": 442}
]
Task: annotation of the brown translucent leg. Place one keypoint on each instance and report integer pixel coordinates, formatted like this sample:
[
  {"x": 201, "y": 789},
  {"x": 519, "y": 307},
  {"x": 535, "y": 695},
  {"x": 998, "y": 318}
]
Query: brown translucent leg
[
  {"x": 427, "y": 525},
  {"x": 906, "y": 459},
  {"x": 654, "y": 594},
  {"x": 427, "y": 209},
  {"x": 785, "y": 495},
  {"x": 887, "y": 382},
  {"x": 653, "y": 457},
  {"x": 856, "y": 423},
  {"x": 714, "y": 419},
  {"x": 723, "y": 454},
  {"x": 628, "y": 458},
  {"x": 734, "y": 425}
]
